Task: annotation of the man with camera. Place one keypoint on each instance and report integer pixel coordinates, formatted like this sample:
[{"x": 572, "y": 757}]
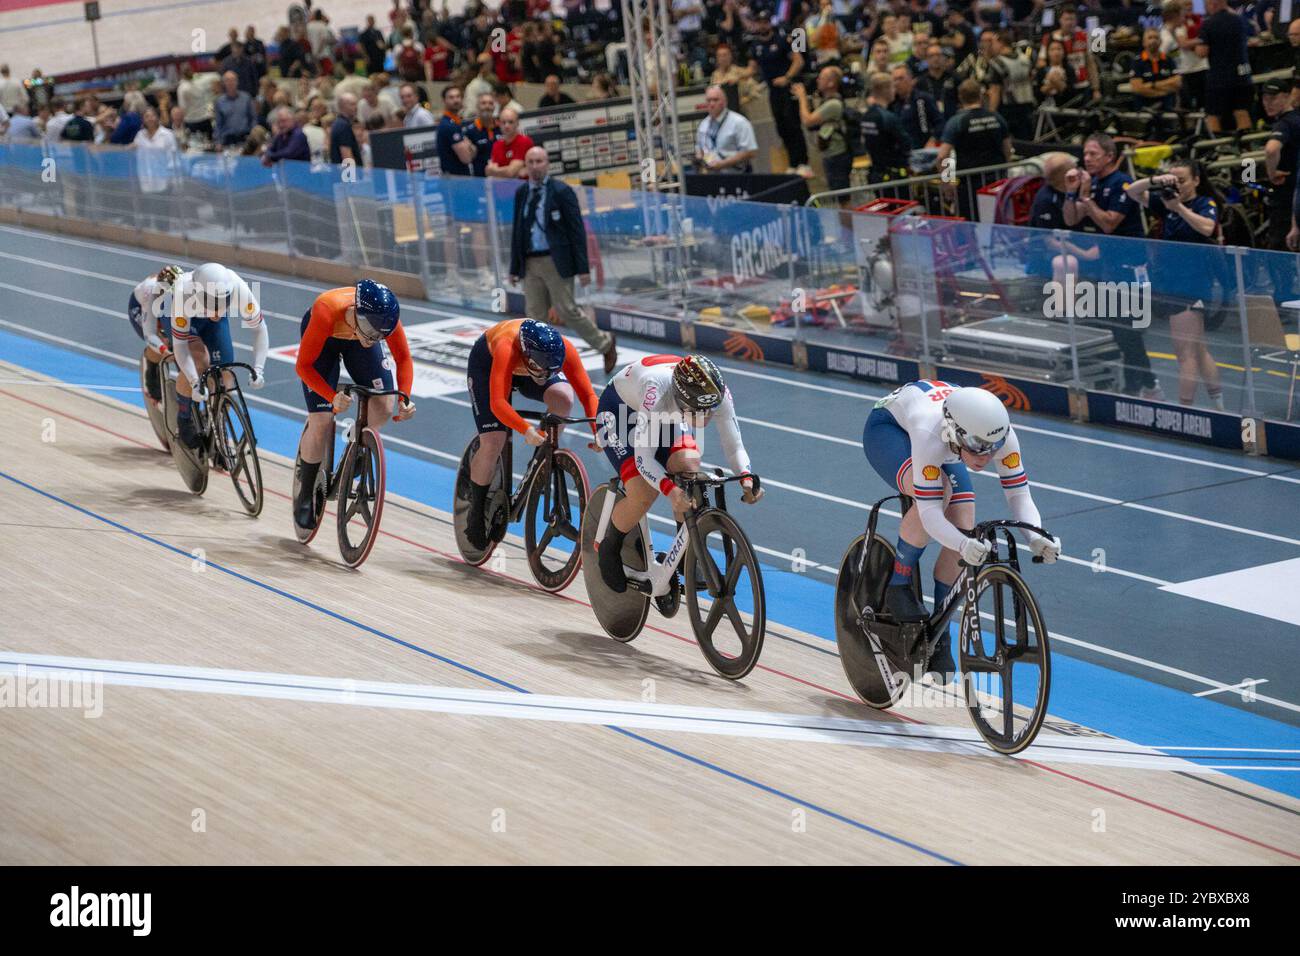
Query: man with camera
[{"x": 828, "y": 121}]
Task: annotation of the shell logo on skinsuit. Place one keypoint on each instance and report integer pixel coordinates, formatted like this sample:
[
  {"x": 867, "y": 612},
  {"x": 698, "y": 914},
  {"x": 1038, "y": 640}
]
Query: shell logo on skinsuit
[
  {"x": 1012, "y": 460},
  {"x": 181, "y": 322},
  {"x": 930, "y": 473}
]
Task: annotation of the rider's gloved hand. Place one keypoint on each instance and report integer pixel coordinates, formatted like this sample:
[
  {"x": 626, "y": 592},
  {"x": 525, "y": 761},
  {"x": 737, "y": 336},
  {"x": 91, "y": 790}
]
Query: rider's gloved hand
[
  {"x": 342, "y": 402},
  {"x": 405, "y": 411},
  {"x": 198, "y": 391},
  {"x": 257, "y": 379},
  {"x": 750, "y": 495},
  {"x": 678, "y": 500},
  {"x": 1048, "y": 548},
  {"x": 533, "y": 436},
  {"x": 974, "y": 551}
]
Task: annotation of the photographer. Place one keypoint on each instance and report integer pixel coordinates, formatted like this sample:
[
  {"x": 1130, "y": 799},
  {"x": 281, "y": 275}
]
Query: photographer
[
  {"x": 1188, "y": 214},
  {"x": 828, "y": 121},
  {"x": 1100, "y": 202}
]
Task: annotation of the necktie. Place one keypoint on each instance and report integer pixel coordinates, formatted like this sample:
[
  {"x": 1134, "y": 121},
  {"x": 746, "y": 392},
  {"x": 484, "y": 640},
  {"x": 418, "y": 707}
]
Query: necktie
[{"x": 530, "y": 211}]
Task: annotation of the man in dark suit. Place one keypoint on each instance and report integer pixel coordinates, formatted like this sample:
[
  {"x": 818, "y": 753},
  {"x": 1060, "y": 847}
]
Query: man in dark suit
[{"x": 548, "y": 247}]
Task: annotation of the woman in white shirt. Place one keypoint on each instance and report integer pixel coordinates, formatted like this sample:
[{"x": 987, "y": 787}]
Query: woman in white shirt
[{"x": 156, "y": 149}]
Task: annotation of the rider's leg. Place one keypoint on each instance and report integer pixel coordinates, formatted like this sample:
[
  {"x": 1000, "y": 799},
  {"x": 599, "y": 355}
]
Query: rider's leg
[
  {"x": 889, "y": 451},
  {"x": 559, "y": 399},
  {"x": 316, "y": 436},
  {"x": 379, "y": 409},
  {"x": 184, "y": 403},
  {"x": 959, "y": 508},
  {"x": 311, "y": 452},
  {"x": 638, "y": 497},
  {"x": 492, "y": 438}
]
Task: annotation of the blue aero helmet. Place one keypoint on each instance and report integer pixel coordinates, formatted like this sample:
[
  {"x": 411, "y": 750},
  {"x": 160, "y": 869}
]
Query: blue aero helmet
[
  {"x": 377, "y": 309},
  {"x": 543, "y": 347}
]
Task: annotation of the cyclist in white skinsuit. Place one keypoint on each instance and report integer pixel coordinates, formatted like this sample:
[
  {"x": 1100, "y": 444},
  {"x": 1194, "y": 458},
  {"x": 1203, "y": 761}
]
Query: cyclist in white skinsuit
[
  {"x": 644, "y": 423},
  {"x": 148, "y": 300},
  {"x": 914, "y": 438}
]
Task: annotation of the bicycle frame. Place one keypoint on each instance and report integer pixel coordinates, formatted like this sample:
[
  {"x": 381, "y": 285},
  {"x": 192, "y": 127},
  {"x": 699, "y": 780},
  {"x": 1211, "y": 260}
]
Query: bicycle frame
[
  {"x": 658, "y": 581},
  {"x": 963, "y": 588},
  {"x": 543, "y": 452},
  {"x": 660, "y": 576}
]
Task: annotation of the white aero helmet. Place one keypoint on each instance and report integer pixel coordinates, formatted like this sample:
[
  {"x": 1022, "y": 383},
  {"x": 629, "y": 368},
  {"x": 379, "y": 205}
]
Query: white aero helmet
[
  {"x": 975, "y": 420},
  {"x": 213, "y": 285}
]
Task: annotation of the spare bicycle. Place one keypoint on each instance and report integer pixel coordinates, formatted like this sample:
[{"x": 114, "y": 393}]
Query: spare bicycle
[{"x": 1006, "y": 670}]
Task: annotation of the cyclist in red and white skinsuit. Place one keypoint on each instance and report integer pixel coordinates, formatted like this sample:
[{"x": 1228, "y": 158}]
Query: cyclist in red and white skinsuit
[{"x": 645, "y": 422}]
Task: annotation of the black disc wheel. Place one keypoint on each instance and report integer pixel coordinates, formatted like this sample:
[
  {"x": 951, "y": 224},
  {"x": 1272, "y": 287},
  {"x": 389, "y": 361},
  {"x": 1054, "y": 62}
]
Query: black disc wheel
[
  {"x": 154, "y": 410},
  {"x": 621, "y": 615},
  {"x": 498, "y": 489},
  {"x": 859, "y": 598}
]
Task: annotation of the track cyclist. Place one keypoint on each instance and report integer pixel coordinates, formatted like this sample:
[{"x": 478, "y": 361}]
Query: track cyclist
[
  {"x": 529, "y": 357},
  {"x": 149, "y": 301},
  {"x": 647, "y": 418},
  {"x": 347, "y": 326},
  {"x": 922, "y": 438},
  {"x": 200, "y": 333}
]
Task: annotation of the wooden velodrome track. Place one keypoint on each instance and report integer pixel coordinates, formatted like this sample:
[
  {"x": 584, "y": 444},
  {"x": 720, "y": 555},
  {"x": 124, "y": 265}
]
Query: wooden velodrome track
[{"x": 262, "y": 724}]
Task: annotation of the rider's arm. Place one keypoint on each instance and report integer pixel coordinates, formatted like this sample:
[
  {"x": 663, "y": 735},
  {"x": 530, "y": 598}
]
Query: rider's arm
[
  {"x": 645, "y": 442},
  {"x": 729, "y": 433},
  {"x": 250, "y": 316},
  {"x": 313, "y": 342},
  {"x": 499, "y": 386},
  {"x": 401, "y": 350},
  {"x": 1015, "y": 484},
  {"x": 185, "y": 361},
  {"x": 577, "y": 376},
  {"x": 927, "y": 489},
  {"x": 149, "y": 323},
  {"x": 261, "y": 345}
]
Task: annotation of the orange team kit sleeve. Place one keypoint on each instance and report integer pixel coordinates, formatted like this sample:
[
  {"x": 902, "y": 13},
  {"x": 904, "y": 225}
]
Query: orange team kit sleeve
[
  {"x": 325, "y": 312},
  {"x": 578, "y": 378},
  {"x": 327, "y": 318},
  {"x": 499, "y": 385}
]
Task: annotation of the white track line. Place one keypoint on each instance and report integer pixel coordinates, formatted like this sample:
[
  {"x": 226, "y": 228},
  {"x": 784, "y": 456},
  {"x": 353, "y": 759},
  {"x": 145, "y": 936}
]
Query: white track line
[
  {"x": 1057, "y": 636},
  {"x": 460, "y": 701}
]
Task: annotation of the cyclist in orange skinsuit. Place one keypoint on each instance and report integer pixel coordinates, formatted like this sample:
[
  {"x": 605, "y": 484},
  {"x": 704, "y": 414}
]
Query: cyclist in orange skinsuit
[
  {"x": 528, "y": 357},
  {"x": 346, "y": 326}
]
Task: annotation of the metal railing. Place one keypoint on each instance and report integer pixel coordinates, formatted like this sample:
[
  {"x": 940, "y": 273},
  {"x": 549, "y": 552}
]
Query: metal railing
[{"x": 938, "y": 193}]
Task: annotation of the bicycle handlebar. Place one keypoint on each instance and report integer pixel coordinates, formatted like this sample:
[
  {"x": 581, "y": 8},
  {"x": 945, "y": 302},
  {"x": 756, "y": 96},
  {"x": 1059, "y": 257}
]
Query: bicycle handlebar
[
  {"x": 219, "y": 367},
  {"x": 376, "y": 392},
  {"x": 686, "y": 479},
  {"x": 546, "y": 419}
]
